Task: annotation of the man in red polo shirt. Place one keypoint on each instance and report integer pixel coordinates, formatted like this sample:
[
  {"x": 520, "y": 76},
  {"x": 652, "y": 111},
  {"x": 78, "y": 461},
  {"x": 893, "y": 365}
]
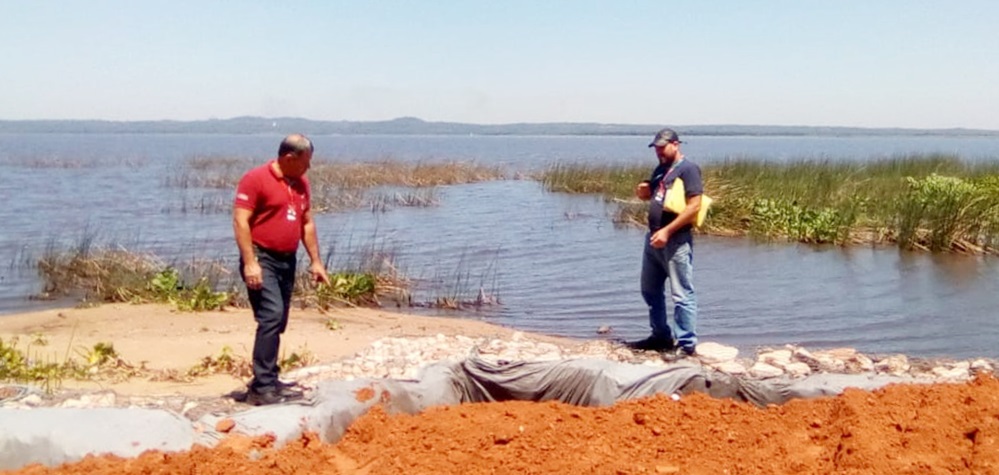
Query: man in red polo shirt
[{"x": 271, "y": 215}]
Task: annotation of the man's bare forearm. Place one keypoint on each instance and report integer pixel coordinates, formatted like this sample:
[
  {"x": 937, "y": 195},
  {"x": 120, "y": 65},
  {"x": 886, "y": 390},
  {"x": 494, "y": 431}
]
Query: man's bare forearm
[
  {"x": 244, "y": 240},
  {"x": 311, "y": 241}
]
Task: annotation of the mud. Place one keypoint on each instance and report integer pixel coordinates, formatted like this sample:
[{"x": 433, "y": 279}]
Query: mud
[{"x": 939, "y": 428}]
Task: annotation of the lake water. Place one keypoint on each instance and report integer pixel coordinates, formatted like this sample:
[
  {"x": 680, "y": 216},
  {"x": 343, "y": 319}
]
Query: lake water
[{"x": 556, "y": 262}]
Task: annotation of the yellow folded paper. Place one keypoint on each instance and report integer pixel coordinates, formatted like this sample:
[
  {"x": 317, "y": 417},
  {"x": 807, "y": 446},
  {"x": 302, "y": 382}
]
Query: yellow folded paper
[{"x": 676, "y": 201}]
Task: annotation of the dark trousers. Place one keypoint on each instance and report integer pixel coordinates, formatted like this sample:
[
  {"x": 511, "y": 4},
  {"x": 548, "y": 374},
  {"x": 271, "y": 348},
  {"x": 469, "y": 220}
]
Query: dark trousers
[{"x": 270, "y": 305}]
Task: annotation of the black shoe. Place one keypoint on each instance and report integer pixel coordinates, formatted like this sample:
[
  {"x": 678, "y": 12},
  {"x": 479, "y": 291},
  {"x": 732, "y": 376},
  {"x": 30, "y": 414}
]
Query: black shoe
[
  {"x": 652, "y": 343},
  {"x": 270, "y": 396},
  {"x": 689, "y": 351},
  {"x": 289, "y": 391}
]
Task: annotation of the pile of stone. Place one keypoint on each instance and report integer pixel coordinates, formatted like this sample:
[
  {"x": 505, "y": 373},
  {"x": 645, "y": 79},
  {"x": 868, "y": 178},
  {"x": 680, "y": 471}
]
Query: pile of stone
[{"x": 402, "y": 358}]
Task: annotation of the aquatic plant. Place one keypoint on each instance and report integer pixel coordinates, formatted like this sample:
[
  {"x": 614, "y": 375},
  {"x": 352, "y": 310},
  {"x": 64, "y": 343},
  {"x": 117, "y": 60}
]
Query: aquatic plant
[{"x": 936, "y": 202}]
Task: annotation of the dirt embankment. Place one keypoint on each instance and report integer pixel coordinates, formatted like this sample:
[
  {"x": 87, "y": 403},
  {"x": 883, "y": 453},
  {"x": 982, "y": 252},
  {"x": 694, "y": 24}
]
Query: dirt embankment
[{"x": 940, "y": 428}]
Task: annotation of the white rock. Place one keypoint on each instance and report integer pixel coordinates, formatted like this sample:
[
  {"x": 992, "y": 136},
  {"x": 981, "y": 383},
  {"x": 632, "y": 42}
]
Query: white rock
[
  {"x": 31, "y": 400},
  {"x": 951, "y": 373},
  {"x": 830, "y": 363},
  {"x": 763, "y": 371},
  {"x": 778, "y": 358},
  {"x": 981, "y": 365},
  {"x": 729, "y": 367},
  {"x": 711, "y": 352},
  {"x": 895, "y": 364},
  {"x": 862, "y": 363},
  {"x": 797, "y": 369}
]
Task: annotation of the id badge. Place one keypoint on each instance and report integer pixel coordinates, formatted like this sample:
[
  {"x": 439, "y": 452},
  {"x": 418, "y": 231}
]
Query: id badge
[
  {"x": 292, "y": 216},
  {"x": 660, "y": 193}
]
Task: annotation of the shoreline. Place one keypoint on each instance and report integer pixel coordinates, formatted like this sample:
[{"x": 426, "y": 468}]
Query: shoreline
[
  {"x": 157, "y": 344},
  {"x": 159, "y": 338}
]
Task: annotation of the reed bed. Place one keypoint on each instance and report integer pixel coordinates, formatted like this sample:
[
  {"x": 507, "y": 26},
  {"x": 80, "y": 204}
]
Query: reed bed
[
  {"x": 362, "y": 175},
  {"x": 933, "y": 202},
  {"x": 111, "y": 273},
  {"x": 336, "y": 186}
]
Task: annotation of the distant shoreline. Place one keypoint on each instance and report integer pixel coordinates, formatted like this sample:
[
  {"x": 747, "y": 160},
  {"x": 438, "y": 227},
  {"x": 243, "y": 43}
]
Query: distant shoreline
[{"x": 414, "y": 126}]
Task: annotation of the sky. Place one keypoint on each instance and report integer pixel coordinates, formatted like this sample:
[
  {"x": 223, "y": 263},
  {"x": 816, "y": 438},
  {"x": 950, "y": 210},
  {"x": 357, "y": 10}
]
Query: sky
[{"x": 868, "y": 63}]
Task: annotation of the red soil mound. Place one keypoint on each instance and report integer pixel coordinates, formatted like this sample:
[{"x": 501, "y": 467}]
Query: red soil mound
[{"x": 942, "y": 428}]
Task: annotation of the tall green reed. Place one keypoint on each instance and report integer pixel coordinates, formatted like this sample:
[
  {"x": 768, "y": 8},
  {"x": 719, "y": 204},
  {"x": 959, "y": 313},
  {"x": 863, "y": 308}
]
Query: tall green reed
[{"x": 933, "y": 201}]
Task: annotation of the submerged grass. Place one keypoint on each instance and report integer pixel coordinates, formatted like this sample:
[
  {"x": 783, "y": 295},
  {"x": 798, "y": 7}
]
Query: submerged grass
[
  {"x": 935, "y": 202},
  {"x": 336, "y": 186}
]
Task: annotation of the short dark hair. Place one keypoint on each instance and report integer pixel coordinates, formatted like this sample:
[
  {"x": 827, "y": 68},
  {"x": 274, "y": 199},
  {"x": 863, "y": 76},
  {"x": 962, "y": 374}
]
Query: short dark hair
[{"x": 296, "y": 144}]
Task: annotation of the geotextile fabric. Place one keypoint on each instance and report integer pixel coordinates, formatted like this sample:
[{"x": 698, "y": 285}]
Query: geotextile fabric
[{"x": 52, "y": 436}]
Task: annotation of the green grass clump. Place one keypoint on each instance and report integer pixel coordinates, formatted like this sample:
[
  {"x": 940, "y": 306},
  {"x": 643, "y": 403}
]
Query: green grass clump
[
  {"x": 117, "y": 275},
  {"x": 167, "y": 287},
  {"x": 934, "y": 202},
  {"x": 29, "y": 366}
]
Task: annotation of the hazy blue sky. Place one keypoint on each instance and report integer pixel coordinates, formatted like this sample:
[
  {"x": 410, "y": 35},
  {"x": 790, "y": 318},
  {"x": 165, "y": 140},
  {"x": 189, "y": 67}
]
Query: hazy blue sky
[{"x": 874, "y": 63}]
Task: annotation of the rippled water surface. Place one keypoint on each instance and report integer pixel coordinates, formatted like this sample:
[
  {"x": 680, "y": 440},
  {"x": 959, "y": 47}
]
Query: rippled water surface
[{"x": 556, "y": 262}]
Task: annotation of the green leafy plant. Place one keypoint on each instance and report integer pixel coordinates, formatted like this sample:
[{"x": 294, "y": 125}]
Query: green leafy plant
[
  {"x": 333, "y": 324},
  {"x": 101, "y": 353},
  {"x": 226, "y": 362},
  {"x": 781, "y": 218},
  {"x": 297, "y": 359},
  {"x": 99, "y": 361},
  {"x": 165, "y": 285},
  {"x": 350, "y": 288},
  {"x": 201, "y": 298}
]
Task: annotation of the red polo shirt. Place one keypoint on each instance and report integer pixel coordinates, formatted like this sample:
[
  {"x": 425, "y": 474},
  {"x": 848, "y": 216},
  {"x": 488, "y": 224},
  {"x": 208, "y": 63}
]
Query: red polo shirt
[{"x": 278, "y": 205}]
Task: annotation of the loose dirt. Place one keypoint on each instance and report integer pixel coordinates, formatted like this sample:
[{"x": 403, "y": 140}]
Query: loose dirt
[{"x": 941, "y": 428}]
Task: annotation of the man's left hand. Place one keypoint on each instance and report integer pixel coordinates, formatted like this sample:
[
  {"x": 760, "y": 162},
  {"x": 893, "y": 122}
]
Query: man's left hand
[
  {"x": 659, "y": 238},
  {"x": 318, "y": 272}
]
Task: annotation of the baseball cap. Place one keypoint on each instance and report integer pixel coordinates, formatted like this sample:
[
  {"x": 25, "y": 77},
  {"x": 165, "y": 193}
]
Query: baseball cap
[{"x": 664, "y": 137}]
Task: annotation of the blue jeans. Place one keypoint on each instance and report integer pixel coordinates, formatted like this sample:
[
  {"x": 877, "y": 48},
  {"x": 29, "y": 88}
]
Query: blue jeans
[
  {"x": 270, "y": 304},
  {"x": 675, "y": 264}
]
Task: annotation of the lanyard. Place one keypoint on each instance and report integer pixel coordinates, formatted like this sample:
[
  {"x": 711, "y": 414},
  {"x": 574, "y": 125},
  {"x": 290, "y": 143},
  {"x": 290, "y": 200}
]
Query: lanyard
[
  {"x": 291, "y": 191},
  {"x": 672, "y": 167},
  {"x": 662, "y": 181}
]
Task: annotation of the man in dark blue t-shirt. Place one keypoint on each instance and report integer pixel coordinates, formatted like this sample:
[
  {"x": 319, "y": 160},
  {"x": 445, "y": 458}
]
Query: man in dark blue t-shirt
[{"x": 668, "y": 252}]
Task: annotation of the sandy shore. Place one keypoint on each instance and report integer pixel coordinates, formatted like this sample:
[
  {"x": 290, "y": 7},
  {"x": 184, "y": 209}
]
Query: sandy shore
[{"x": 162, "y": 338}]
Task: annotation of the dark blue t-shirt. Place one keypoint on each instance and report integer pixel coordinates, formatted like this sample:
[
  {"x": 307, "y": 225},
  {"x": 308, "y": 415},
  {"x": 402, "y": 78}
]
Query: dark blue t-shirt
[{"x": 661, "y": 179}]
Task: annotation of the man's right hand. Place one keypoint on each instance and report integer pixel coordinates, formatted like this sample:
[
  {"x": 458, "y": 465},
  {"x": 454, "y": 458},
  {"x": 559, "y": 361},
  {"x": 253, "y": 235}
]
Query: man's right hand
[
  {"x": 643, "y": 191},
  {"x": 253, "y": 275}
]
